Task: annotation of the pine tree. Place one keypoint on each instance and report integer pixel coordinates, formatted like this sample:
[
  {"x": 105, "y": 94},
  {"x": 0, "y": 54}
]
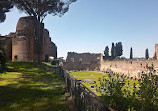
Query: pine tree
[{"x": 5, "y": 6}]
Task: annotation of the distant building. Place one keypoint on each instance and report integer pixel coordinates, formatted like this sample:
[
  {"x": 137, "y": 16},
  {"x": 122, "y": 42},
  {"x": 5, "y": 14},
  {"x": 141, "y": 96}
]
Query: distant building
[
  {"x": 83, "y": 61},
  {"x": 156, "y": 52},
  {"x": 22, "y": 45}
]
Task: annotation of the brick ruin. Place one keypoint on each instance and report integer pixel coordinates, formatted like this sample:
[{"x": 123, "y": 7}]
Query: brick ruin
[
  {"x": 22, "y": 45},
  {"x": 88, "y": 61},
  {"x": 130, "y": 68},
  {"x": 156, "y": 52},
  {"x": 83, "y": 61}
]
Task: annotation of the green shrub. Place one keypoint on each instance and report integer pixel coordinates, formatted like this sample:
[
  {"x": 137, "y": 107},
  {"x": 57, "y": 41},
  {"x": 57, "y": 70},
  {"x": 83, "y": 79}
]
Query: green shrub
[
  {"x": 148, "y": 91},
  {"x": 122, "y": 97},
  {"x": 2, "y": 62},
  {"x": 55, "y": 62}
]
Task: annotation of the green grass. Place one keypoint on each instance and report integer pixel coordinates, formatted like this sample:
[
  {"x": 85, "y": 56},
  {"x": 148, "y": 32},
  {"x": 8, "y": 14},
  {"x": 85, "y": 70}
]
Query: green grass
[
  {"x": 30, "y": 87},
  {"x": 89, "y": 75},
  {"x": 95, "y": 76}
]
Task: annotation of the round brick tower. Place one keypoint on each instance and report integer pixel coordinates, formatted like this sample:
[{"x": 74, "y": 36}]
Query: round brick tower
[{"x": 23, "y": 43}]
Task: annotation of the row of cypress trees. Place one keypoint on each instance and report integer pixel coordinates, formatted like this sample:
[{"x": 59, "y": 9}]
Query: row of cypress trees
[
  {"x": 117, "y": 51},
  {"x": 146, "y": 53}
]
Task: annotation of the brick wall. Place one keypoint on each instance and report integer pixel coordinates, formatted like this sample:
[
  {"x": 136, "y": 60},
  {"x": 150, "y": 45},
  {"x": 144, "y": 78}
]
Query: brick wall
[
  {"x": 24, "y": 44},
  {"x": 83, "y": 61},
  {"x": 133, "y": 68}
]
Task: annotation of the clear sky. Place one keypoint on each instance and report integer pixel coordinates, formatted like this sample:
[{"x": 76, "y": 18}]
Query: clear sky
[{"x": 91, "y": 25}]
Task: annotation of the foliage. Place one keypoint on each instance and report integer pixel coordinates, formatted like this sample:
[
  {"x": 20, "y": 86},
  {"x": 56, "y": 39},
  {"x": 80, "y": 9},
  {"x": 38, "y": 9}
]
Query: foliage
[
  {"x": 40, "y": 8},
  {"x": 113, "y": 92},
  {"x": 116, "y": 51},
  {"x": 148, "y": 91},
  {"x": 131, "y": 53},
  {"x": 55, "y": 62},
  {"x": 118, "y": 48},
  {"x": 120, "y": 96},
  {"x": 31, "y": 87},
  {"x": 113, "y": 51},
  {"x": 2, "y": 61},
  {"x": 106, "y": 53},
  {"x": 146, "y": 54},
  {"x": 5, "y": 6}
]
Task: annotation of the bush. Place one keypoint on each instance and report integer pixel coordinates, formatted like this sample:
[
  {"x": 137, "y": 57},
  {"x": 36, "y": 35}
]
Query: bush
[
  {"x": 55, "y": 62},
  {"x": 2, "y": 62},
  {"x": 118, "y": 94}
]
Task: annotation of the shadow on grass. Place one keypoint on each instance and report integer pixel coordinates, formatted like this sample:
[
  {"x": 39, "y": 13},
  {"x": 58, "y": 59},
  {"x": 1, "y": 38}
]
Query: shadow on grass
[
  {"x": 38, "y": 88},
  {"x": 15, "y": 99}
]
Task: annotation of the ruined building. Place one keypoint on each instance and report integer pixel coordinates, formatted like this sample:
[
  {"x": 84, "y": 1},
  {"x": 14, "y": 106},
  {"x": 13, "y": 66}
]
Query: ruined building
[
  {"x": 156, "y": 52},
  {"x": 88, "y": 61},
  {"x": 22, "y": 45},
  {"x": 83, "y": 61}
]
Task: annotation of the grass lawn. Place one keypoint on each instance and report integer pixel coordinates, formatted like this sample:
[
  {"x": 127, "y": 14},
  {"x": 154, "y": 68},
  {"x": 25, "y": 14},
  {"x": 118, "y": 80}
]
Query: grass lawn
[
  {"x": 30, "y": 87},
  {"x": 95, "y": 76}
]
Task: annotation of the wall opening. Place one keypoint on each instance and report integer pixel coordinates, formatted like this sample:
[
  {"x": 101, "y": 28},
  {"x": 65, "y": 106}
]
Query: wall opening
[
  {"x": 15, "y": 57},
  {"x": 46, "y": 58}
]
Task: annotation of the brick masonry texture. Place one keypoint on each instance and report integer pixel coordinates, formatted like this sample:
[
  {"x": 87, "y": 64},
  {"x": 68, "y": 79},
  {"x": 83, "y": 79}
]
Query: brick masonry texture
[
  {"x": 22, "y": 45},
  {"x": 83, "y": 61},
  {"x": 88, "y": 61}
]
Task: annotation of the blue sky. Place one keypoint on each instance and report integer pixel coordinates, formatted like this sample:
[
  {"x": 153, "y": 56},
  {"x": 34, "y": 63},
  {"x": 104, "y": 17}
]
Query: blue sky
[{"x": 91, "y": 25}]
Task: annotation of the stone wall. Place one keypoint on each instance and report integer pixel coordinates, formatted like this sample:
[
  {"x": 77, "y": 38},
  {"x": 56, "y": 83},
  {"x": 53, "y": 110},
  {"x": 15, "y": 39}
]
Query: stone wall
[
  {"x": 83, "y": 61},
  {"x": 130, "y": 68},
  {"x": 49, "y": 47},
  {"x": 22, "y": 49},
  {"x": 25, "y": 44},
  {"x": 156, "y": 52}
]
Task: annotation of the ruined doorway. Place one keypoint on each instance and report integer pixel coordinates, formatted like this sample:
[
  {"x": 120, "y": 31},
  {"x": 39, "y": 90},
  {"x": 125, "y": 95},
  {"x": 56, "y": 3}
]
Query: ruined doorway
[{"x": 46, "y": 58}]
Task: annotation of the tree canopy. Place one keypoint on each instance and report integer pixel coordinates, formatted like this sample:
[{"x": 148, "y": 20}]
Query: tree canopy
[
  {"x": 5, "y": 6},
  {"x": 41, "y": 8}
]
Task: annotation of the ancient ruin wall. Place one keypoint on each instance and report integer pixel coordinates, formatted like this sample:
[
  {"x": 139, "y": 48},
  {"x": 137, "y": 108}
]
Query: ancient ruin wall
[
  {"x": 133, "y": 68},
  {"x": 23, "y": 43},
  {"x": 50, "y": 48},
  {"x": 156, "y": 52},
  {"x": 83, "y": 61}
]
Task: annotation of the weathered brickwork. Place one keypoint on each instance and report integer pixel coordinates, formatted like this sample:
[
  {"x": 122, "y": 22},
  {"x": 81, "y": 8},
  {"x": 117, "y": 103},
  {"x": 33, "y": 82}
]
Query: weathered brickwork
[
  {"x": 156, "y": 52},
  {"x": 23, "y": 43},
  {"x": 50, "y": 48},
  {"x": 83, "y": 61},
  {"x": 131, "y": 68}
]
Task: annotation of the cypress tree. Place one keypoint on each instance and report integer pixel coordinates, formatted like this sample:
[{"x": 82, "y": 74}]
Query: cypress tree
[
  {"x": 131, "y": 53},
  {"x": 146, "y": 54},
  {"x": 118, "y": 49},
  {"x": 113, "y": 51},
  {"x": 106, "y": 53}
]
